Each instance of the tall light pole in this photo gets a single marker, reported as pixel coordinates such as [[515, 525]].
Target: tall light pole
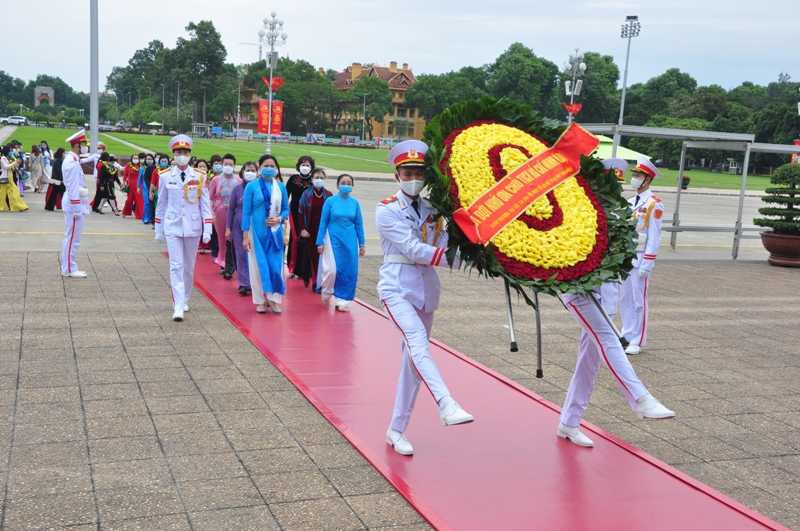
[[238, 109], [575, 68], [94, 71], [178, 109], [629, 30], [269, 35]]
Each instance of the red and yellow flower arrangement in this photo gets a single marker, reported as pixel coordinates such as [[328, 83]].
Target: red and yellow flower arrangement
[[564, 241]]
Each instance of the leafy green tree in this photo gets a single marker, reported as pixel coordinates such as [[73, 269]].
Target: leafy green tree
[[434, 93], [668, 150], [520, 75], [644, 100], [11, 89], [752, 96], [378, 100], [705, 103], [200, 63]]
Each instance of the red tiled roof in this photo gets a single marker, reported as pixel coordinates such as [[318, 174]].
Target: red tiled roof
[[399, 79]]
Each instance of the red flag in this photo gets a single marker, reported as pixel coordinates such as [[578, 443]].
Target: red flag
[[573, 108], [265, 79], [277, 82]]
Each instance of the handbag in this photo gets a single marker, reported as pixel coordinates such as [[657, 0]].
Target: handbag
[[4, 178]]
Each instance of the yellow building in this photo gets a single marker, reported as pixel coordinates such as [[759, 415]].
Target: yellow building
[[402, 122]]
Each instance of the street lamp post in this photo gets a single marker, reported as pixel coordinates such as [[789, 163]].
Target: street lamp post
[[363, 115], [630, 30], [238, 109], [574, 68], [178, 109], [269, 35]]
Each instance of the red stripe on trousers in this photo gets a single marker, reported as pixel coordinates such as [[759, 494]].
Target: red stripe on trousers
[[644, 310], [602, 350], [409, 347], [69, 251]]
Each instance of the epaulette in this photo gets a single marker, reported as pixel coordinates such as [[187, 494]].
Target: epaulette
[[389, 200], [656, 199], [165, 170], [426, 203]]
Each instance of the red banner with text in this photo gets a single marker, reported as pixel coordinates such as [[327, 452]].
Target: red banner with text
[[263, 117], [510, 197]]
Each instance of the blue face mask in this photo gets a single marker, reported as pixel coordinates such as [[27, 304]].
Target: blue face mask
[[268, 173], [345, 189], [163, 163], [217, 168]]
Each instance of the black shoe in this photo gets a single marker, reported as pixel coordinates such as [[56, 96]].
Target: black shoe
[[227, 276], [242, 291], [306, 282], [624, 342]]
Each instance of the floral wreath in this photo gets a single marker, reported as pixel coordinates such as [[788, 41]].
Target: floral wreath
[[563, 243], [112, 170]]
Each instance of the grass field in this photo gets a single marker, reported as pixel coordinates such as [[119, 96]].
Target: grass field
[[337, 157]]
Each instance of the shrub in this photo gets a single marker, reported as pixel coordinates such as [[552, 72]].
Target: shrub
[[785, 218]]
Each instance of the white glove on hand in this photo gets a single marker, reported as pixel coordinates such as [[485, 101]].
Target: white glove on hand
[[206, 238], [77, 215], [159, 238], [644, 273], [83, 192]]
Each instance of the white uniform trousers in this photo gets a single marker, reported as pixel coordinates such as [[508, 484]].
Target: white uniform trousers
[[72, 240], [598, 343], [182, 256], [634, 308], [417, 365]]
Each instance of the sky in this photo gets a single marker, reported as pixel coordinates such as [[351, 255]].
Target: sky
[[723, 42]]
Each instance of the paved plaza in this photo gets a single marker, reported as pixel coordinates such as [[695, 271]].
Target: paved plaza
[[116, 417]]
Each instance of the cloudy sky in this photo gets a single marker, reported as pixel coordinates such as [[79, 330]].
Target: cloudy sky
[[723, 42]]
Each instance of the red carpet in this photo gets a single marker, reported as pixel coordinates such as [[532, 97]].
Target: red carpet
[[507, 470]]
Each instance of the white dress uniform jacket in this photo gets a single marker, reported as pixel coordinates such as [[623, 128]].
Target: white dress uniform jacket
[[73, 182], [180, 212], [421, 240], [647, 213]]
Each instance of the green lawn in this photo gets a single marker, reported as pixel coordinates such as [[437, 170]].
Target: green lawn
[[56, 138], [719, 181], [338, 157]]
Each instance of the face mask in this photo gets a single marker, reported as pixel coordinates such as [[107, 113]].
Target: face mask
[[345, 189], [135, 161], [182, 160], [172, 165], [268, 173], [319, 183], [227, 170], [249, 175], [100, 150], [202, 169], [411, 188], [305, 170], [84, 150], [636, 183], [163, 164], [149, 162], [217, 168]]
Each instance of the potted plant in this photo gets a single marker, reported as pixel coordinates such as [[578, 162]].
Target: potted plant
[[783, 242]]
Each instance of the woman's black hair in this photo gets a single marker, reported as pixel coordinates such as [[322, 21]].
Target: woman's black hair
[[306, 158], [318, 170], [104, 156], [246, 164], [162, 156], [339, 178], [198, 161], [262, 158], [59, 154], [5, 150]]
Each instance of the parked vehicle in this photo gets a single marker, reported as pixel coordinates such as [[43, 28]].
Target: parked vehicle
[[14, 120]]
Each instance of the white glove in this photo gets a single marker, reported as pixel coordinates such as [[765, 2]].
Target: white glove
[[206, 237], [160, 237], [643, 273], [83, 192], [77, 215]]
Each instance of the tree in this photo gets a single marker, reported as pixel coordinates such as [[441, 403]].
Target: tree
[[520, 75], [599, 94], [645, 100], [11, 89], [434, 93], [668, 150], [200, 62], [705, 103], [378, 100]]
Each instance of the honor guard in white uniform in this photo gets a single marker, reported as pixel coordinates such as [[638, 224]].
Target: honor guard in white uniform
[[647, 211], [74, 204], [183, 216], [413, 243], [599, 343]]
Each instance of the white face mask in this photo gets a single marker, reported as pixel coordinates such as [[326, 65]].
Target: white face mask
[[84, 150], [182, 160], [319, 183], [227, 170], [636, 183], [411, 188], [249, 175], [135, 161], [305, 170], [100, 150]]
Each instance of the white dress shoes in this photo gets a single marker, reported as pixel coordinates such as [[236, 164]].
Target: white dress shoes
[[452, 414], [178, 315], [75, 274], [185, 307], [633, 349], [274, 306], [399, 442], [650, 408], [575, 435]]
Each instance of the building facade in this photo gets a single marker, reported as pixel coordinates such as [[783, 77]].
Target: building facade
[[403, 122]]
